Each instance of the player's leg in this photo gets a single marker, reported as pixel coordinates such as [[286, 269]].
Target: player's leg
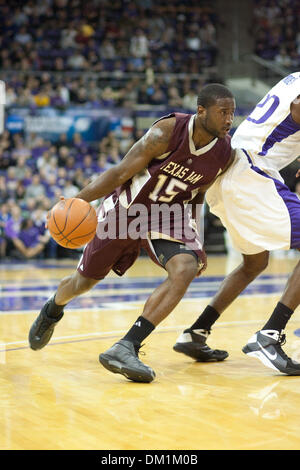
[[182, 267], [266, 343], [52, 312], [97, 260], [192, 341], [291, 294]]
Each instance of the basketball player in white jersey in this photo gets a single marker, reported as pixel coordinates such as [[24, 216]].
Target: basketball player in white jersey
[[260, 214]]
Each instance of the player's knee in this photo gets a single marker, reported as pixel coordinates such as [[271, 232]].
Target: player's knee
[[253, 265], [182, 269]]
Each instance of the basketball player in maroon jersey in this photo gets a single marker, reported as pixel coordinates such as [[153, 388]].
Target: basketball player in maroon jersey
[[173, 163]]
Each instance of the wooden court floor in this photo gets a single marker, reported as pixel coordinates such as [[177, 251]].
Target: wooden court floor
[[62, 398]]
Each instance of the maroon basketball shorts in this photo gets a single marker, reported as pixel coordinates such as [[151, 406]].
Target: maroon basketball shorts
[[102, 256], [116, 246]]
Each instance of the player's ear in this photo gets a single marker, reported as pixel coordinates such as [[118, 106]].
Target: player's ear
[[201, 111]]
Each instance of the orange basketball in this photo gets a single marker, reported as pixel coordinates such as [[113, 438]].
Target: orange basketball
[[72, 222]]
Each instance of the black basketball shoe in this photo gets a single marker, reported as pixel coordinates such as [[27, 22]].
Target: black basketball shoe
[[42, 328], [266, 346], [192, 343], [122, 358]]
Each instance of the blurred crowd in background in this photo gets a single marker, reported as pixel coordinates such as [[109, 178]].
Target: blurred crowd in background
[[276, 29], [109, 37], [116, 53], [34, 173]]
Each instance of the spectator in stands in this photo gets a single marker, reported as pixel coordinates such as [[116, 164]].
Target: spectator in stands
[[63, 39], [23, 37], [108, 142], [19, 193], [53, 189], [4, 193], [20, 149], [102, 164], [43, 97], [24, 97], [158, 96], [193, 41], [63, 153], [29, 243], [38, 217], [27, 177], [5, 141], [126, 141], [139, 44], [174, 99], [77, 61], [11, 96], [4, 216], [70, 189], [109, 97], [13, 223], [35, 189], [275, 31], [21, 167], [50, 170], [11, 180], [79, 144], [46, 160], [88, 166], [282, 58], [62, 142], [113, 155], [80, 176], [70, 167], [189, 100]]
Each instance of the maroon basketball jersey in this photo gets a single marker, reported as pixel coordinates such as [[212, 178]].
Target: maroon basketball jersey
[[172, 178], [177, 175]]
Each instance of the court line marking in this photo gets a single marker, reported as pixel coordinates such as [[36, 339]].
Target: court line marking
[[211, 285], [128, 305], [101, 335], [131, 282]]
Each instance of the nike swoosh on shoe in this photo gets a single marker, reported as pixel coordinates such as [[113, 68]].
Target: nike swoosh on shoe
[[269, 355]]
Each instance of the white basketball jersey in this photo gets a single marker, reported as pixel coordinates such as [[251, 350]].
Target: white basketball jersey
[[269, 134]]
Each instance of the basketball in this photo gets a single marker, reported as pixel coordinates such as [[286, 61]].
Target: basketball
[[72, 222]]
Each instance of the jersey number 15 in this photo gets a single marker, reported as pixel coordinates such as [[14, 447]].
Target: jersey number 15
[[169, 192]]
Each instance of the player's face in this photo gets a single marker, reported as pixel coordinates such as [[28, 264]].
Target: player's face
[[217, 119]]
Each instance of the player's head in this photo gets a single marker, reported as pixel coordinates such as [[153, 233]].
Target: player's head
[[215, 109]]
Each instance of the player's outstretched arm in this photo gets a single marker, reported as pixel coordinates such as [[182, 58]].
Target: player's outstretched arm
[[153, 144]]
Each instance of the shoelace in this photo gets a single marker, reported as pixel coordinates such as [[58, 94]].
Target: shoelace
[[137, 348], [43, 327], [281, 342], [282, 339]]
